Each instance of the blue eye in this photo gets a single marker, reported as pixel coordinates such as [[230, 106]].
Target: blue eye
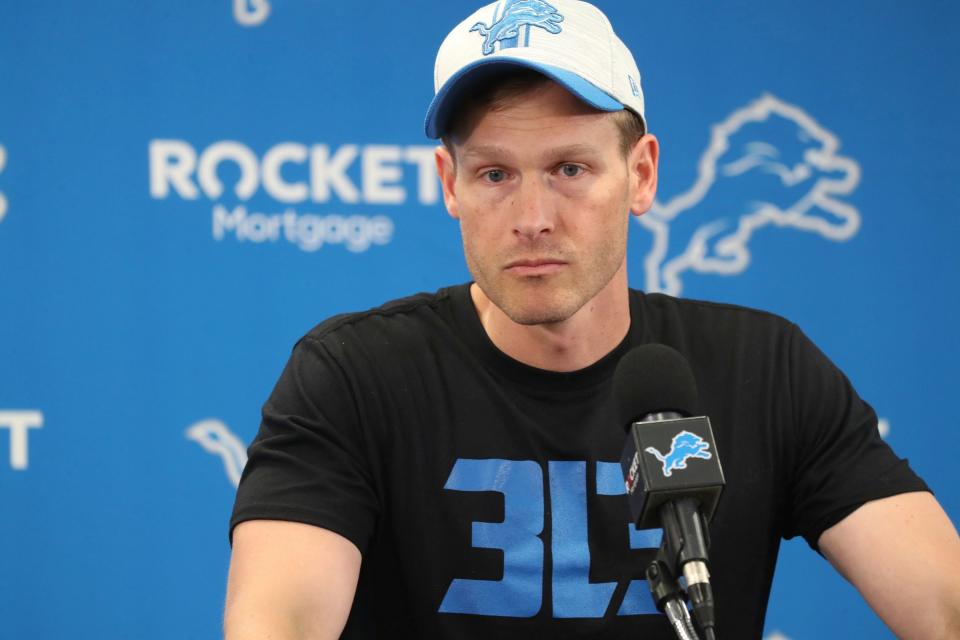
[[496, 175], [571, 170]]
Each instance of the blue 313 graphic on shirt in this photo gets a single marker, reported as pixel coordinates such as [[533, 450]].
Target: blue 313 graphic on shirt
[[520, 592]]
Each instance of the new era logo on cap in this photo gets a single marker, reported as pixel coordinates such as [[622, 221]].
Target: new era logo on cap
[[569, 41]]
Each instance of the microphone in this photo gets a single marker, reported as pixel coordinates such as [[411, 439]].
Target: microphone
[[671, 469]]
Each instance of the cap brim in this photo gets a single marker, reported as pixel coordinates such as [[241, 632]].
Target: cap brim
[[441, 108]]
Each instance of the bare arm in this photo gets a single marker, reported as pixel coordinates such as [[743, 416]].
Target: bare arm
[[903, 555], [289, 581]]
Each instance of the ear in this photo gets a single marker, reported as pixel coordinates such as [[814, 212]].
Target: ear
[[447, 170], [642, 165]]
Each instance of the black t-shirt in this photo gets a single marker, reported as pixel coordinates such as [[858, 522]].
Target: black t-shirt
[[486, 495]]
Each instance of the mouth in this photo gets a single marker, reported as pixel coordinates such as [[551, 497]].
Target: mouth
[[535, 267]]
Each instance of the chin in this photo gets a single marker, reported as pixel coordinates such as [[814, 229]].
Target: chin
[[534, 309], [537, 316]]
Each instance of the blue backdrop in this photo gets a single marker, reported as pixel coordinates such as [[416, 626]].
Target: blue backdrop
[[187, 187]]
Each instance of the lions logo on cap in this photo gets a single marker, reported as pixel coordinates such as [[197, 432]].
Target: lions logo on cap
[[518, 14]]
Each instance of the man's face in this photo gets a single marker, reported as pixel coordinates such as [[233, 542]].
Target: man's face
[[543, 195]]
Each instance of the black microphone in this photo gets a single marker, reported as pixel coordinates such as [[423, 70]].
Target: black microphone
[[671, 469]]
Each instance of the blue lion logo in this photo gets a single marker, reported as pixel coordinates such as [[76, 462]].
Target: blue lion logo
[[685, 445], [517, 14]]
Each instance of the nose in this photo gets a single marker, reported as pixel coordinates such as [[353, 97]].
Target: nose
[[534, 216]]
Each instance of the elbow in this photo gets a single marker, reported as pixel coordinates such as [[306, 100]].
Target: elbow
[[943, 621], [951, 628]]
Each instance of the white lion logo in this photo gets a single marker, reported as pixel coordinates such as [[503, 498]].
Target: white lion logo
[[769, 163], [251, 13], [216, 438]]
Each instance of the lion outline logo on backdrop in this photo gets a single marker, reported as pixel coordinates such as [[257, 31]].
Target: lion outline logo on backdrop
[[690, 234], [518, 14], [251, 13], [216, 438], [685, 445]]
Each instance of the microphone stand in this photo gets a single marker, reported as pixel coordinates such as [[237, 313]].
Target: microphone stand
[[668, 595], [685, 542]]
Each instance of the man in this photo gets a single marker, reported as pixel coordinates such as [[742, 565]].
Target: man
[[445, 465]]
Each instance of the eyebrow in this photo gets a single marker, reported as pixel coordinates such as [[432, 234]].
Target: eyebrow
[[558, 152], [484, 150]]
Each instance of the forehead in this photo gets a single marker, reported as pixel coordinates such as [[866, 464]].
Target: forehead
[[544, 114]]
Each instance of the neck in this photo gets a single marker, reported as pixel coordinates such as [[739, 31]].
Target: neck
[[577, 342]]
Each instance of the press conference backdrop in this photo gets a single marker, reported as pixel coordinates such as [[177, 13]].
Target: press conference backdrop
[[188, 187]]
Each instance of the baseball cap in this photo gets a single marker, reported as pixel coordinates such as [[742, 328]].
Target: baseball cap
[[569, 41]]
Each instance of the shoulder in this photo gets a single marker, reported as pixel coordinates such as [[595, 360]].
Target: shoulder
[[730, 348], [399, 324], [711, 320], [368, 360]]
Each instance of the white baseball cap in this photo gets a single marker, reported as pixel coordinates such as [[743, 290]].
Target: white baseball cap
[[569, 41]]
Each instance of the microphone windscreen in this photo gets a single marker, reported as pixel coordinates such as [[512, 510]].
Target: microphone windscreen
[[653, 378]]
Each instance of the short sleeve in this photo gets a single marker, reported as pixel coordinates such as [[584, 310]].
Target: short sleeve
[[308, 462], [839, 459]]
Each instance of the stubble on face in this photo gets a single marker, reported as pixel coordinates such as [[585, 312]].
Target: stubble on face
[[545, 299], [571, 236]]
